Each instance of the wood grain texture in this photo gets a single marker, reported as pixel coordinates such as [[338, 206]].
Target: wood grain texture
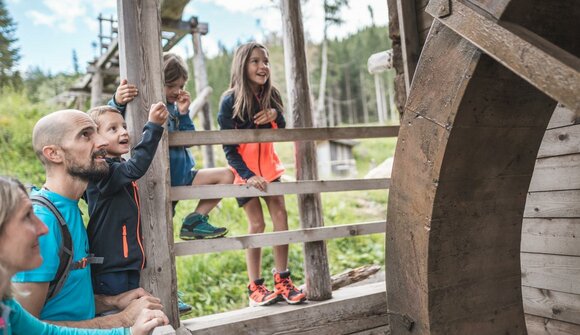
[[352, 310], [552, 272], [545, 326], [140, 48], [561, 141], [552, 304], [410, 44], [540, 62], [298, 187], [551, 236], [556, 204], [277, 238], [556, 173], [185, 138], [316, 268]]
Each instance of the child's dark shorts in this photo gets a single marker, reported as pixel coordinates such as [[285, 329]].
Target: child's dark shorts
[[114, 283], [245, 200]]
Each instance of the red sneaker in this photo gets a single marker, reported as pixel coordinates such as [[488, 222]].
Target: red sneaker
[[286, 289], [260, 295]]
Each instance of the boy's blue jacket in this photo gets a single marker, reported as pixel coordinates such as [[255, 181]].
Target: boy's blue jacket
[[181, 161], [114, 228]]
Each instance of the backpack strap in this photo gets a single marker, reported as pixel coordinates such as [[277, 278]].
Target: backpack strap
[[65, 252]]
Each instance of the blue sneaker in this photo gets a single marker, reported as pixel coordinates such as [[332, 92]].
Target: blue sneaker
[[197, 226], [182, 306]]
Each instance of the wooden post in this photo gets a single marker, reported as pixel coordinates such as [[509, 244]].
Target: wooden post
[[140, 62], [318, 283], [363, 98], [201, 82], [97, 88]]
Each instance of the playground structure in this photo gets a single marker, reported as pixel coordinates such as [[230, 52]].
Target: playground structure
[[477, 104]]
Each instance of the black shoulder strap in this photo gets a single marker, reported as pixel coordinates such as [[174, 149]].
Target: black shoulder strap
[[65, 252]]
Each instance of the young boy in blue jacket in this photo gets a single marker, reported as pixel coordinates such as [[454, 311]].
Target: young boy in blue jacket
[[114, 228]]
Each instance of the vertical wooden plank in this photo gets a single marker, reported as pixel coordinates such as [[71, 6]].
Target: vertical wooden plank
[[318, 283], [395, 36], [140, 62], [201, 82], [97, 88], [409, 39]]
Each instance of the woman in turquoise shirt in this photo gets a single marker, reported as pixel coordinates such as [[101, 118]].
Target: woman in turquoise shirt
[[19, 251]]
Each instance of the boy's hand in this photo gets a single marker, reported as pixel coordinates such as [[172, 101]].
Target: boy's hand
[[258, 182], [125, 93], [158, 113], [265, 116], [183, 102]]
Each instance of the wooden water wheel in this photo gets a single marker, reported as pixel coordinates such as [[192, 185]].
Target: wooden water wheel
[[488, 79]]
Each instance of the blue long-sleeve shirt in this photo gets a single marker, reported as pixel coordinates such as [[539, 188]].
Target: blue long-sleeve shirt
[[181, 161]]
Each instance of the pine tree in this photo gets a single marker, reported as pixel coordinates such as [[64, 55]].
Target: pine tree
[[9, 53]]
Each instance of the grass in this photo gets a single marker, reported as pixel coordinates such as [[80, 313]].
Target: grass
[[217, 282]]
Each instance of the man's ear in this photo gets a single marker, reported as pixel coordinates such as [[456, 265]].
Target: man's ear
[[53, 153]]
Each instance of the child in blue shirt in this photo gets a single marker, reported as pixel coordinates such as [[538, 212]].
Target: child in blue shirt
[[196, 224]]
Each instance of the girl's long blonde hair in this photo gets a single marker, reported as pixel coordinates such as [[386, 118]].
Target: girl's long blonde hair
[[10, 198], [241, 88]]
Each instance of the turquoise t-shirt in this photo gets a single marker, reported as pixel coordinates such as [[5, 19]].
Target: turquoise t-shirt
[[17, 321], [75, 301]]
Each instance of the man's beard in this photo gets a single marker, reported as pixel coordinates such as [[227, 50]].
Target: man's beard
[[93, 172]]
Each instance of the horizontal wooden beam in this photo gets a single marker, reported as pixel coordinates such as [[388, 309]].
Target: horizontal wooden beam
[[352, 310], [560, 141], [297, 187], [556, 236], [555, 204], [552, 304], [278, 238], [186, 138], [543, 64], [551, 272]]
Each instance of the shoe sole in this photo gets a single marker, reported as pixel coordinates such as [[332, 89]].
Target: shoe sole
[[290, 302], [201, 237], [264, 303]]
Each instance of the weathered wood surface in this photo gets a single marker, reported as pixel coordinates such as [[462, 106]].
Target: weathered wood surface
[[552, 304], [185, 138], [140, 48], [561, 204], [351, 310], [410, 45], [553, 272], [352, 276], [277, 238], [540, 62], [201, 83], [561, 141], [563, 117], [316, 268], [465, 157], [545, 326], [395, 36], [551, 236], [557, 173], [298, 187]]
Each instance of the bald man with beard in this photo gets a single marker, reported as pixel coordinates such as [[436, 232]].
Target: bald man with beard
[[72, 153]]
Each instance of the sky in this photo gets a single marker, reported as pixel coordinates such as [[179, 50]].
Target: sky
[[49, 30]]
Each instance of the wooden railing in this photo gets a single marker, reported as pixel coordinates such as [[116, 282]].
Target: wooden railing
[[297, 187]]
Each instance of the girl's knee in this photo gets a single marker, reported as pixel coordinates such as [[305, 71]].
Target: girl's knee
[[257, 226], [227, 177]]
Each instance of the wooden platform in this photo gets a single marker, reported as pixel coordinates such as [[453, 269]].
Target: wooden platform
[[352, 310]]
